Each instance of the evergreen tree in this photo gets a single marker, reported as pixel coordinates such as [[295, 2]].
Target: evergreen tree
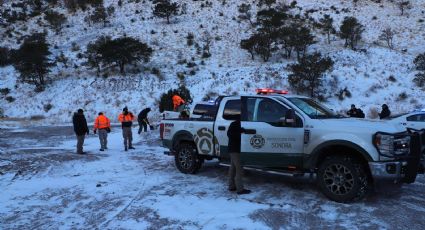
[[249, 45], [32, 59], [420, 66], [117, 52], [55, 19], [165, 9], [245, 13], [351, 30], [307, 74], [99, 15], [327, 27], [4, 56]]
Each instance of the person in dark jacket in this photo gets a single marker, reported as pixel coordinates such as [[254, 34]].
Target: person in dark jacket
[[385, 112], [234, 149], [142, 118], [80, 129], [355, 112]]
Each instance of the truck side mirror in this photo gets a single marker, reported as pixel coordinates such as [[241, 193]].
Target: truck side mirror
[[290, 119]]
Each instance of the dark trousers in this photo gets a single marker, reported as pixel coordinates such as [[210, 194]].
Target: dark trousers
[[143, 126], [235, 172], [80, 143]]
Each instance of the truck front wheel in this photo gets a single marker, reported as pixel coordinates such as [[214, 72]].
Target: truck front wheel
[[342, 179], [187, 159]]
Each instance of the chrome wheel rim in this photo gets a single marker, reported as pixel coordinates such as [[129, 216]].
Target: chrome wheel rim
[[338, 179], [185, 158]]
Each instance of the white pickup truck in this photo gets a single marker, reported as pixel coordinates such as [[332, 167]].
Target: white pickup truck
[[347, 154]]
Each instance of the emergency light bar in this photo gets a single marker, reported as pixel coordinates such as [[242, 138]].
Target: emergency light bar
[[270, 91]]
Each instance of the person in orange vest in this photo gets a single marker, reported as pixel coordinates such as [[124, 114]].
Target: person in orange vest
[[126, 118], [103, 124], [177, 102]]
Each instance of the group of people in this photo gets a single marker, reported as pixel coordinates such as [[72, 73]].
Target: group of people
[[102, 126], [356, 112]]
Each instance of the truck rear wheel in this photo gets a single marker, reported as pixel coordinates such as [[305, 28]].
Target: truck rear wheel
[[342, 179], [187, 159]]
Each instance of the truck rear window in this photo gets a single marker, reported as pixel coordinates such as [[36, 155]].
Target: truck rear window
[[205, 110], [232, 107]]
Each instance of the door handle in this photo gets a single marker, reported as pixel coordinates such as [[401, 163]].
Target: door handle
[[250, 131], [221, 128]]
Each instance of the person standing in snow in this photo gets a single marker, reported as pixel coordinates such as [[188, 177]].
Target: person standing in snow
[[355, 112], [143, 121], [126, 118], [80, 129], [234, 148], [103, 124], [385, 112]]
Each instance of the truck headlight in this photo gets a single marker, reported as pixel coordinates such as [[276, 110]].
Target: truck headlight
[[391, 146]]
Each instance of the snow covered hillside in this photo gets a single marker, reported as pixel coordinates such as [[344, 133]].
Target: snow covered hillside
[[374, 75]]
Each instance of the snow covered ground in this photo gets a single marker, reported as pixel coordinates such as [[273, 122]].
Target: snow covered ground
[[45, 185]]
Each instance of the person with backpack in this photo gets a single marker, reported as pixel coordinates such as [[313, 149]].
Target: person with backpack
[[143, 121], [103, 124], [355, 112], [80, 129], [385, 112], [126, 118]]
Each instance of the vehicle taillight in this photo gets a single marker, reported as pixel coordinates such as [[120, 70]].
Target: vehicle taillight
[[161, 131]]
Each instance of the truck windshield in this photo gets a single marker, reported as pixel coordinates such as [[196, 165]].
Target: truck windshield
[[313, 109]]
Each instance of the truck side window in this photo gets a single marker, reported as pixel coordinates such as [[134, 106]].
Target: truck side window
[[232, 107], [413, 118], [270, 111]]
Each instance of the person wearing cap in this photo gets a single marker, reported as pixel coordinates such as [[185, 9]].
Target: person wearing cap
[[126, 118], [103, 124], [143, 121], [385, 112], [80, 129]]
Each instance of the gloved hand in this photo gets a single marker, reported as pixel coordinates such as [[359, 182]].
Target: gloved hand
[[94, 131]]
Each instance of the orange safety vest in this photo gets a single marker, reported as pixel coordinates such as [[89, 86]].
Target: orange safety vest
[[126, 118], [102, 122], [177, 101]]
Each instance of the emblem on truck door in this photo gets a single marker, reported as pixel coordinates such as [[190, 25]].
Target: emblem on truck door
[[257, 141], [206, 142]]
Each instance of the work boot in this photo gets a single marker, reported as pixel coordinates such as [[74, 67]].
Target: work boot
[[125, 148], [101, 150], [131, 147], [244, 191]]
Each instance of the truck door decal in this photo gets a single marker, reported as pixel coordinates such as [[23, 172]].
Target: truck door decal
[[206, 142], [257, 141]]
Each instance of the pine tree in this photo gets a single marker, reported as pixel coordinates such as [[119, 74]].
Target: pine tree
[[32, 59], [117, 52], [326, 26], [419, 62], [165, 9], [307, 74], [55, 19], [351, 30]]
